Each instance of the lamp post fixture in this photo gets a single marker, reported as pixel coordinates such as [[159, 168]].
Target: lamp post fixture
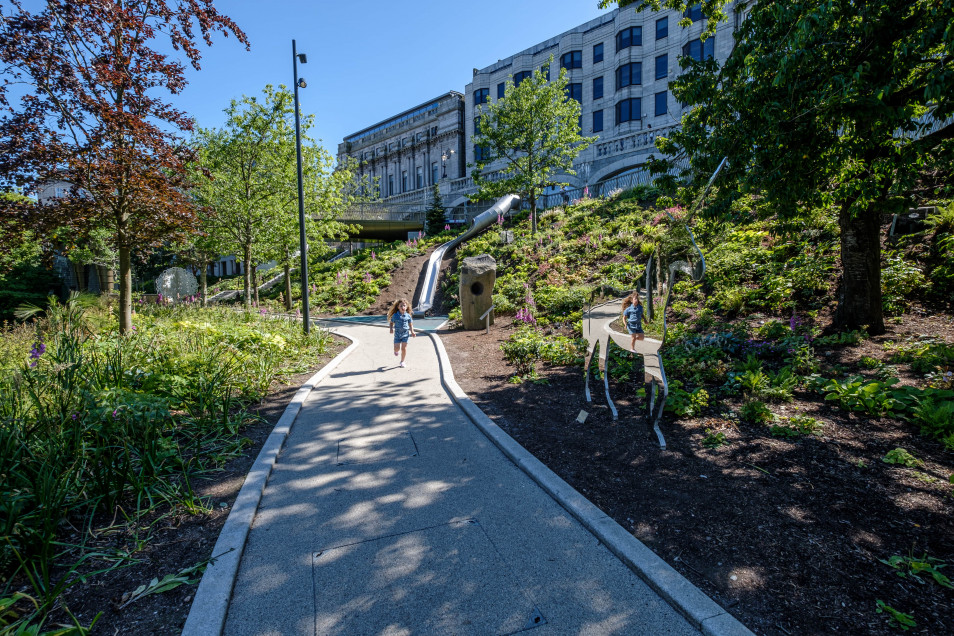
[[444, 157], [303, 249]]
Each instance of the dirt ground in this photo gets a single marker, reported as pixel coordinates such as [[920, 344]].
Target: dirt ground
[[786, 535]]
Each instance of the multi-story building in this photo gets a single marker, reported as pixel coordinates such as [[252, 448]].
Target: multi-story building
[[410, 152], [619, 67]]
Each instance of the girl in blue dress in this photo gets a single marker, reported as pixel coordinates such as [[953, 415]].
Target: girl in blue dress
[[633, 315], [402, 326]]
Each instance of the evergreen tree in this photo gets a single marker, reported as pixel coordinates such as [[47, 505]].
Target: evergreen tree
[[436, 219]]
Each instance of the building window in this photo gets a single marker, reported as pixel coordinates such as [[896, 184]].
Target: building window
[[597, 120], [629, 74], [419, 177], [662, 28], [694, 12], [501, 89], [435, 173], [404, 181], [628, 110], [662, 66], [545, 71], [480, 153], [390, 185], [574, 91], [633, 36], [699, 50], [661, 101], [572, 59], [481, 96], [597, 52], [519, 77], [598, 87]]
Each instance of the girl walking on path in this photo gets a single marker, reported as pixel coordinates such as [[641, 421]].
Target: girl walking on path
[[633, 315], [402, 326]]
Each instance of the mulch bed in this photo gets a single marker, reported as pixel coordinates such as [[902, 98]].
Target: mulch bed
[[786, 535]]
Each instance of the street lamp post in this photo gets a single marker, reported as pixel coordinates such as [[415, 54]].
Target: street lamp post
[[444, 156], [303, 249]]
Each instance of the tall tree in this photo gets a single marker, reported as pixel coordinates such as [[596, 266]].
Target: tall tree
[[531, 134], [251, 184], [92, 114], [826, 103]]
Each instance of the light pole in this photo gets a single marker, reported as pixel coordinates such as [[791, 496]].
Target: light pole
[[303, 249], [444, 156]]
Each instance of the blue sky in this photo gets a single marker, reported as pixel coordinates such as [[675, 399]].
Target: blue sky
[[367, 59]]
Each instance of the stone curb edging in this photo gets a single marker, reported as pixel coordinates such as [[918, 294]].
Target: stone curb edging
[[700, 610], [211, 602]]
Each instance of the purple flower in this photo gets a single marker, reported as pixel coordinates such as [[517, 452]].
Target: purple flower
[[373, 255], [262, 311], [74, 416], [447, 226], [116, 413]]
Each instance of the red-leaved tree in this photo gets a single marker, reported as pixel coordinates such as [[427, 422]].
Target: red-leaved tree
[[83, 101]]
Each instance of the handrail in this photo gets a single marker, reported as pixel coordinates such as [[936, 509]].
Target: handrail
[[481, 222]]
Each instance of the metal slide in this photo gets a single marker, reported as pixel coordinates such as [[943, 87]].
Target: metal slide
[[480, 223]]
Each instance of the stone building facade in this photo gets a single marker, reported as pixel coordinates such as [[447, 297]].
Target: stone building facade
[[619, 66], [410, 152]]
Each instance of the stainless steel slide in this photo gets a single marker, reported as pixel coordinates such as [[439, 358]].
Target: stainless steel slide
[[480, 223]]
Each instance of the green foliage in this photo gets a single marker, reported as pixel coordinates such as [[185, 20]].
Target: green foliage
[[897, 619], [91, 420], [436, 219], [841, 339], [910, 566], [534, 130], [682, 403], [901, 457], [523, 349], [868, 396], [936, 419], [23, 277], [795, 426], [755, 412], [714, 439], [900, 280], [925, 355]]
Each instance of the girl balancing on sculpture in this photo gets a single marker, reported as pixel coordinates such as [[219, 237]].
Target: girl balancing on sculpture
[[402, 326], [633, 315]]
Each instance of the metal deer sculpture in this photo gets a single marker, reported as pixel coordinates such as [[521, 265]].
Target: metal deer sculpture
[[677, 254]]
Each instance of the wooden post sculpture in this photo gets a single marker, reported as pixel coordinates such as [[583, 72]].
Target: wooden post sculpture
[[676, 254]]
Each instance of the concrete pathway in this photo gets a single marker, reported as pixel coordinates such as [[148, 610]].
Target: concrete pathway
[[389, 512]]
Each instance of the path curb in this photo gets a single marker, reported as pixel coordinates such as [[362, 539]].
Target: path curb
[[211, 603], [700, 610]]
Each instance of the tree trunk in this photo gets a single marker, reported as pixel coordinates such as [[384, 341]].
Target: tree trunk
[[859, 292], [204, 283], [246, 278], [255, 283], [288, 290], [533, 213], [124, 310]]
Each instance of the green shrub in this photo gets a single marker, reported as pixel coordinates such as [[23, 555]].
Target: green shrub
[[857, 394], [755, 412], [684, 403], [796, 426], [523, 349], [901, 457], [899, 282]]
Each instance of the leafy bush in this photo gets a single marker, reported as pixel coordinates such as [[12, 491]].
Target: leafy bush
[[684, 403], [796, 426], [857, 394], [901, 457], [523, 349], [755, 412], [899, 282]]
